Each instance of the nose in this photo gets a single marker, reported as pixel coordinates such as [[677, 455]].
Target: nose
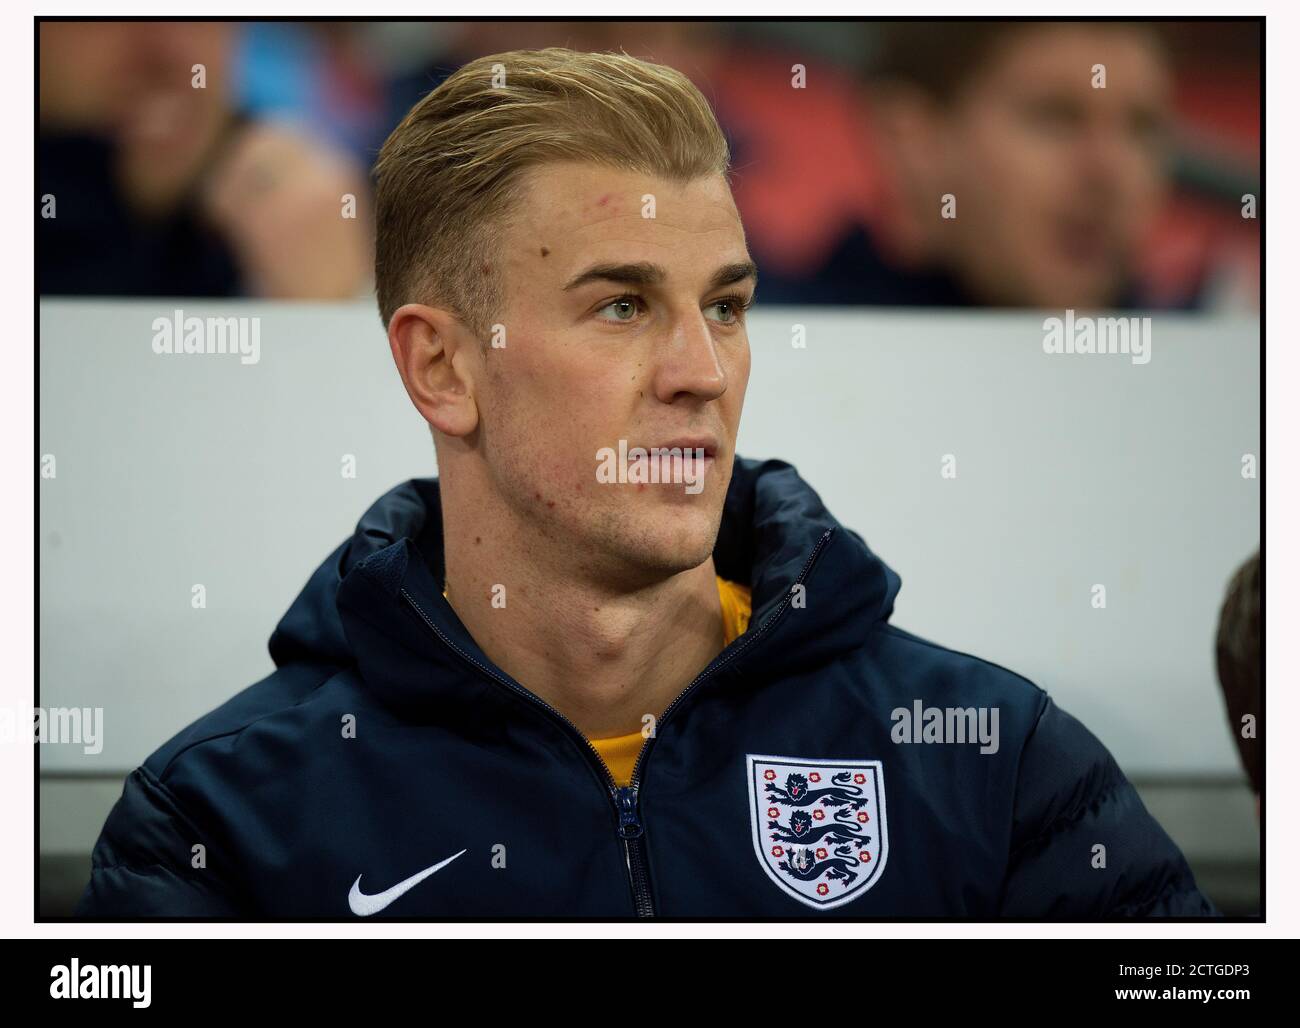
[[1104, 158], [689, 363]]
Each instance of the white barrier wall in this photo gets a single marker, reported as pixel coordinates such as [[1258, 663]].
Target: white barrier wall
[[1071, 471]]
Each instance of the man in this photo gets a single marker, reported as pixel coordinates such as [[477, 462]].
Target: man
[[163, 186], [1016, 164], [569, 679], [1238, 654]]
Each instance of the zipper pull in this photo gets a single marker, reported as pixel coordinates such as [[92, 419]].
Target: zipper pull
[[629, 820]]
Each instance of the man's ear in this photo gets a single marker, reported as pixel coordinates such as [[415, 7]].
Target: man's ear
[[436, 355]]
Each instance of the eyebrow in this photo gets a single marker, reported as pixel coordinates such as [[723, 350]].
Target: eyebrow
[[643, 273]]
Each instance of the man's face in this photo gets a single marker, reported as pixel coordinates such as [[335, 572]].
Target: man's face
[[1056, 180], [134, 81], [618, 326]]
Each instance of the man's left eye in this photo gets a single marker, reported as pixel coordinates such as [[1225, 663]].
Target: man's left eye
[[734, 306]]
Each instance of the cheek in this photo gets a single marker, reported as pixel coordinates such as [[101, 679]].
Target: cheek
[[1011, 195], [733, 401], [741, 363], [547, 417], [1143, 191], [1008, 167], [517, 408]]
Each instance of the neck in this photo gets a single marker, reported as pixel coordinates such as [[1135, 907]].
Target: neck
[[603, 654]]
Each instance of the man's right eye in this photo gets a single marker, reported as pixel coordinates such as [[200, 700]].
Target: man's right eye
[[1052, 115], [625, 308]]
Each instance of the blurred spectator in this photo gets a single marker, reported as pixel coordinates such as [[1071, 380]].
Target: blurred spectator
[[1066, 195], [1060, 188], [1241, 663], [165, 187]]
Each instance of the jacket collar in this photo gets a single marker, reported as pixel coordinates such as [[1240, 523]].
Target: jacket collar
[[377, 602]]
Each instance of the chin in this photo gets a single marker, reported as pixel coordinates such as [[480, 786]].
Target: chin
[[670, 564], [673, 548]]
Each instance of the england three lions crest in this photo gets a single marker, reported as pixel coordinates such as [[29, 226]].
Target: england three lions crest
[[818, 825]]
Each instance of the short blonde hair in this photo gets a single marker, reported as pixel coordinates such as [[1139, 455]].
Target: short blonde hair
[[449, 176]]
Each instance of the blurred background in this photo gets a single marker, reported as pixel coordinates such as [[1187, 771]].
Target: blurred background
[[1127, 196], [924, 333]]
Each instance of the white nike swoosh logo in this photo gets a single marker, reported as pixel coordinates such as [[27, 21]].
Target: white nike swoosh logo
[[363, 905]]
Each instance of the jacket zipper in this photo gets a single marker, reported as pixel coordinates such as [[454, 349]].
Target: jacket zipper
[[636, 844], [623, 799], [626, 799]]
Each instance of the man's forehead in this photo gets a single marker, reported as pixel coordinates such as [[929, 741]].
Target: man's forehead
[[583, 197], [578, 217], [1039, 54]]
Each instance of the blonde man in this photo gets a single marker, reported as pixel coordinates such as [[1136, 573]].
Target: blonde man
[[601, 666]]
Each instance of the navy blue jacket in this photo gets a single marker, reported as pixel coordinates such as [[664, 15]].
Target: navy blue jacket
[[387, 768]]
